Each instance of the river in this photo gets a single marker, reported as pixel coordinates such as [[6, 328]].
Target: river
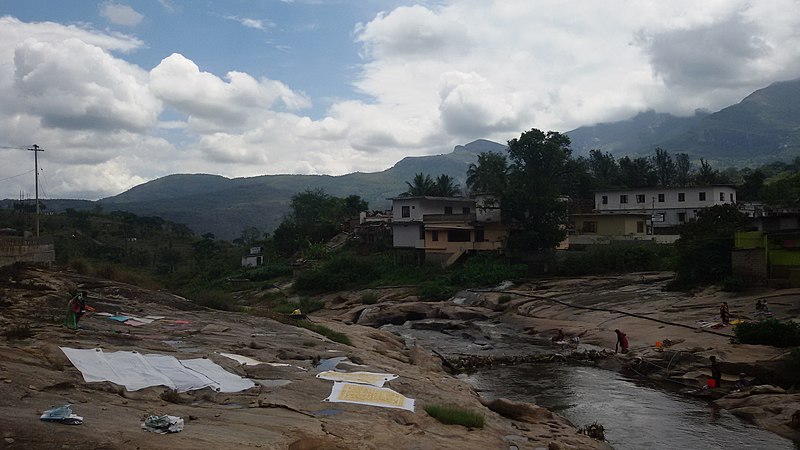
[[635, 414]]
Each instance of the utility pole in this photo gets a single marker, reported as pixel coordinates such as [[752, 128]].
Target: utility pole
[[35, 149]]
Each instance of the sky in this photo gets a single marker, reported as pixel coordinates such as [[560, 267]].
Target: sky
[[118, 93]]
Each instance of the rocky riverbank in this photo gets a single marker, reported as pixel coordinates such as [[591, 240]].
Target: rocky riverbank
[[284, 410], [494, 324]]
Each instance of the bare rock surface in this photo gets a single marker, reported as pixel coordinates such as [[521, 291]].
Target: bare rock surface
[[284, 412]]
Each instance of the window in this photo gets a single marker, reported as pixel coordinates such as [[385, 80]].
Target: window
[[681, 217], [660, 198], [422, 232], [722, 196], [448, 210], [681, 197], [406, 211], [701, 196], [458, 236], [435, 235], [465, 210], [639, 198], [639, 226], [589, 227], [623, 198], [604, 200]]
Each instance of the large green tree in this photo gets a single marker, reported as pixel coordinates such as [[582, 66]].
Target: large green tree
[[489, 174], [704, 248], [532, 204], [314, 218], [664, 167]]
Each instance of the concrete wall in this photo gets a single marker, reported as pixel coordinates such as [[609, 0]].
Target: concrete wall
[[749, 263], [27, 250], [407, 235]]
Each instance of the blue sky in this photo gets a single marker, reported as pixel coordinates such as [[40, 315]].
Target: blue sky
[[122, 92]]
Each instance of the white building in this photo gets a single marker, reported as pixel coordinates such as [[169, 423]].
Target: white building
[[668, 207], [408, 228]]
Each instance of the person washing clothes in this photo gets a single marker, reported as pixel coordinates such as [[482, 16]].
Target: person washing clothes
[[622, 342]]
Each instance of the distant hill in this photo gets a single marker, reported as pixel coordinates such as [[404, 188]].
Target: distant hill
[[225, 206], [763, 127]]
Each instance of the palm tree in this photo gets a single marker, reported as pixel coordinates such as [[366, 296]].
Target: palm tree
[[489, 174], [445, 186], [421, 185]]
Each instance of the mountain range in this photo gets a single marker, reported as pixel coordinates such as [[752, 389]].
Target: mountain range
[[763, 127]]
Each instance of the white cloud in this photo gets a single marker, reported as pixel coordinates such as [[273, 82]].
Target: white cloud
[[75, 85], [256, 24], [216, 104], [431, 77], [120, 14]]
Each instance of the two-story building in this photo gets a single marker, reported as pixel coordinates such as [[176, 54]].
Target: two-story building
[[667, 207], [445, 228]]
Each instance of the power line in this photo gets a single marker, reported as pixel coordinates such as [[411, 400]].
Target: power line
[[16, 176]]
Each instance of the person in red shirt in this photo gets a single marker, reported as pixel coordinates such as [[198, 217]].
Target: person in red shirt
[[76, 308], [622, 342]]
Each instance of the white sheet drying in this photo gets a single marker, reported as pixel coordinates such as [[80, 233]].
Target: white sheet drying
[[136, 371]]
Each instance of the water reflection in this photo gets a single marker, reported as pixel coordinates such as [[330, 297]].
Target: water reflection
[[634, 416]]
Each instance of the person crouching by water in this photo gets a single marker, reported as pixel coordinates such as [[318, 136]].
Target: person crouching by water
[[76, 308], [559, 337], [622, 342]]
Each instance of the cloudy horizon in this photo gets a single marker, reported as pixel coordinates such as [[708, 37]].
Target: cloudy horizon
[[120, 93]]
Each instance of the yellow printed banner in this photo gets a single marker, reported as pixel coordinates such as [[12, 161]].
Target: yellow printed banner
[[374, 379], [363, 394]]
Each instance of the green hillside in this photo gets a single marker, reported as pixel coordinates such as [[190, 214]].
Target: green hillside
[[763, 127], [224, 206]]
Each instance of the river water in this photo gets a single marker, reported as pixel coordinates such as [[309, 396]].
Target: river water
[[635, 415]]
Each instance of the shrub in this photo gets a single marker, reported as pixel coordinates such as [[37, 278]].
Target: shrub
[[453, 415], [338, 273], [794, 365], [18, 332], [435, 290], [215, 299], [106, 271], [485, 270], [267, 272], [616, 258], [369, 298], [769, 332], [80, 266], [504, 299], [734, 284]]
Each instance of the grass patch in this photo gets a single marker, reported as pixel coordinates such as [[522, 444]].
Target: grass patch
[[306, 305], [335, 336], [453, 415], [436, 290]]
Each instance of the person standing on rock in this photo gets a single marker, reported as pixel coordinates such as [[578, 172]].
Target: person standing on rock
[[716, 372], [724, 313], [622, 342], [76, 308]]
